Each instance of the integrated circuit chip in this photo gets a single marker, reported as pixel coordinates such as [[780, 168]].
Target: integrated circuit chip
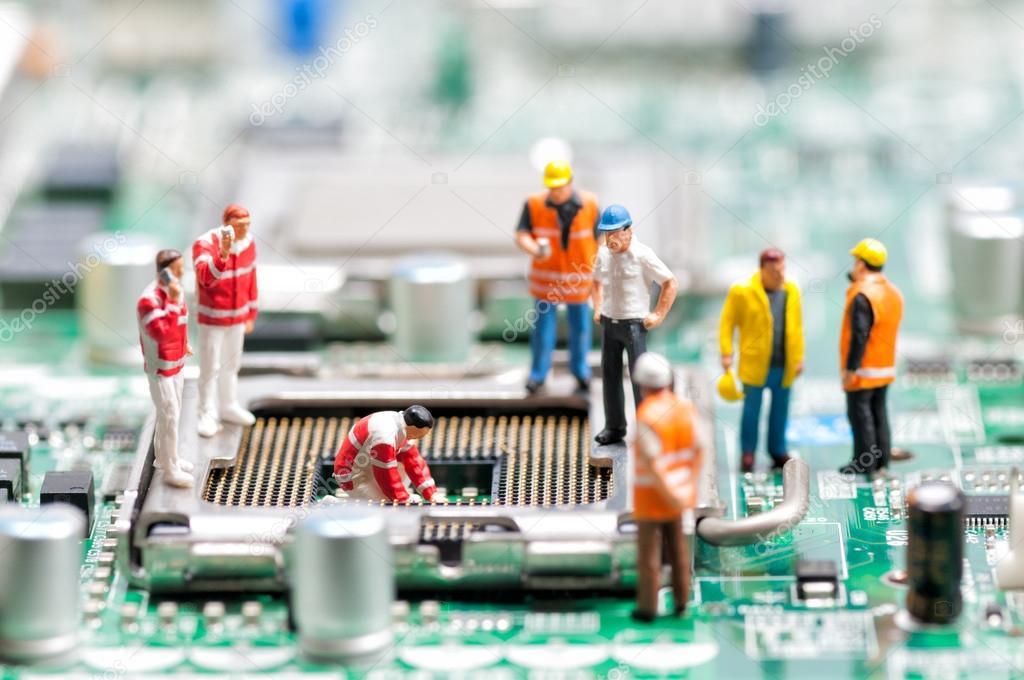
[[987, 510], [75, 487]]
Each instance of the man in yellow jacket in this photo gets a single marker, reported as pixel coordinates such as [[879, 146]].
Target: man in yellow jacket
[[766, 310]]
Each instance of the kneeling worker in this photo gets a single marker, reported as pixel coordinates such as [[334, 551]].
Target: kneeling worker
[[667, 464], [366, 465]]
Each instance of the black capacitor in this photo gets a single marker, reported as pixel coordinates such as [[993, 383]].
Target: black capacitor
[[935, 552]]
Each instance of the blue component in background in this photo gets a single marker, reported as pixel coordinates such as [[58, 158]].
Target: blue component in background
[[304, 22]]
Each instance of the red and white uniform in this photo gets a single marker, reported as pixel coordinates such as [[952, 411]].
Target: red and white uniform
[[227, 300], [227, 287], [163, 332], [366, 465]]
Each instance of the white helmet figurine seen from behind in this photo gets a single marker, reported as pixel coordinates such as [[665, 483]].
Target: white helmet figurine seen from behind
[[652, 370]]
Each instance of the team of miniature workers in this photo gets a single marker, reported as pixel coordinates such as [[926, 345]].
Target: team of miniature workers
[[766, 311], [579, 255], [225, 268], [562, 231]]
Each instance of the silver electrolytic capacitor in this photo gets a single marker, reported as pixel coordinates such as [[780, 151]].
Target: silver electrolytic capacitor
[[40, 564], [342, 585], [935, 552], [432, 301], [113, 268], [985, 231]]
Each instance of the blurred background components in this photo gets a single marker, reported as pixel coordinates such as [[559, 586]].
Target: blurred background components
[[432, 300], [985, 228], [113, 266]]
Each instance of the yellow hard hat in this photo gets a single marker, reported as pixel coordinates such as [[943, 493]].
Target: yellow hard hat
[[557, 174], [729, 388], [871, 251]]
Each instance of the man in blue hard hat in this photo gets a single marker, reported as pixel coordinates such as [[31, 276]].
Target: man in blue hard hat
[[623, 275]]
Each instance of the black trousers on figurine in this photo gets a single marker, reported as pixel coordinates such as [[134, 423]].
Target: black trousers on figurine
[[618, 335], [869, 421]]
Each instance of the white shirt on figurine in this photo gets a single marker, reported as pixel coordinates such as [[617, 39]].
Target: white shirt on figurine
[[626, 280]]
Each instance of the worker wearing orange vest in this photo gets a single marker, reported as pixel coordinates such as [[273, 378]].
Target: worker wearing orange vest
[[867, 355], [667, 460], [558, 229]]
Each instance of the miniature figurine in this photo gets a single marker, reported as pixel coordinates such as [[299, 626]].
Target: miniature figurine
[[667, 464], [163, 333], [867, 355], [623, 274], [558, 229], [378, 443], [766, 309], [225, 263]]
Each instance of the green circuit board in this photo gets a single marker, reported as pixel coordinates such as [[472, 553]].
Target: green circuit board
[[874, 150], [744, 618]]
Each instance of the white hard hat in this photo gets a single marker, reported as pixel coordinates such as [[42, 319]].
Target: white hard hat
[[652, 370]]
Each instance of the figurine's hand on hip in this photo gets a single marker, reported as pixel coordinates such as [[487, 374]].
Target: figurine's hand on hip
[[652, 320]]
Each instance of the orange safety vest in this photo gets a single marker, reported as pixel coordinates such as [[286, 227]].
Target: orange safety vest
[[567, 275], [879, 364], [671, 419]]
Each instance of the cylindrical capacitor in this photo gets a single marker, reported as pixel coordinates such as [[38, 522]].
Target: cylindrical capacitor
[[935, 552], [40, 564], [114, 269], [432, 300], [985, 232], [342, 585]]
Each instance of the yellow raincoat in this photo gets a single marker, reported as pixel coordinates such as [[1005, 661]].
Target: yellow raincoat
[[746, 307]]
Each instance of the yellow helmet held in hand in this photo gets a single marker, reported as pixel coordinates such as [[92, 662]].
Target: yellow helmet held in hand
[[871, 251], [557, 174], [729, 387]]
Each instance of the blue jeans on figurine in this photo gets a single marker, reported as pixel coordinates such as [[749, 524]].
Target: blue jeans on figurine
[[542, 342], [777, 416]]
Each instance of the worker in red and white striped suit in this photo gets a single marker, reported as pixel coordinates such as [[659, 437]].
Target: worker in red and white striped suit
[[225, 263], [366, 466], [163, 333]]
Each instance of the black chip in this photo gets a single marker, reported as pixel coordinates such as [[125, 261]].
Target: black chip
[[75, 487], [931, 366], [82, 172], [14, 446], [996, 506], [285, 333], [10, 479], [815, 573], [120, 438], [993, 370], [987, 510], [816, 570]]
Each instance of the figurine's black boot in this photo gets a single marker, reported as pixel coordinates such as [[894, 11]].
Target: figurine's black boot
[[607, 436]]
